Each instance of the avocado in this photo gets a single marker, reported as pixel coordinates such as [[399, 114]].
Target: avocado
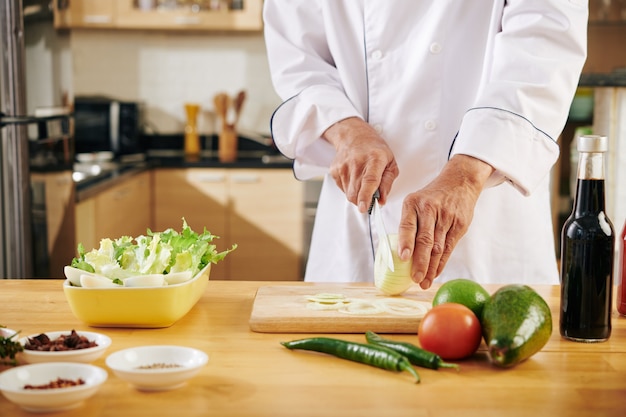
[[516, 323]]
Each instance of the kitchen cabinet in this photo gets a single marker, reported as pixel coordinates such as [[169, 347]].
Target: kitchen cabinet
[[53, 196], [83, 13], [182, 16], [123, 209], [260, 210], [200, 196]]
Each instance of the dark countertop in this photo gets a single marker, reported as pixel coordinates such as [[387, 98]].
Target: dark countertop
[[613, 79], [115, 172], [209, 159]]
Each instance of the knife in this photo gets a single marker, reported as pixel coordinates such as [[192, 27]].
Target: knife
[[385, 246]]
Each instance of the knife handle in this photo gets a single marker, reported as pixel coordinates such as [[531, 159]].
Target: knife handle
[[374, 197]]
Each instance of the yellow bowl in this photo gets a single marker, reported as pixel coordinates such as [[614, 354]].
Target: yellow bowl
[[147, 307]]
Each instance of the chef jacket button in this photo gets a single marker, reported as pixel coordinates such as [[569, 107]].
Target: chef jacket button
[[430, 125], [378, 128], [377, 54], [435, 47]]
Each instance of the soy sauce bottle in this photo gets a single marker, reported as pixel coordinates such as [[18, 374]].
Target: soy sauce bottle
[[587, 250]]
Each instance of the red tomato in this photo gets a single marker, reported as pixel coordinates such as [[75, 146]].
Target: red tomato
[[450, 330]]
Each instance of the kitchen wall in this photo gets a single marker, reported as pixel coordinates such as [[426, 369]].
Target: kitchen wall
[[605, 48], [167, 69], [48, 65], [163, 70]]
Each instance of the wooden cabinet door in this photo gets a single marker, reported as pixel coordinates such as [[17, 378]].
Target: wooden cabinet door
[[60, 200], [124, 209], [266, 221], [83, 13], [200, 195], [182, 18], [260, 210], [86, 223]]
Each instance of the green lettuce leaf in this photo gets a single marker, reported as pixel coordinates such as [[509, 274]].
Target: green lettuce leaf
[[154, 253]]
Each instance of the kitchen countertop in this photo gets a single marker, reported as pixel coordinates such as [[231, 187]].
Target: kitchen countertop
[[119, 171], [251, 374]]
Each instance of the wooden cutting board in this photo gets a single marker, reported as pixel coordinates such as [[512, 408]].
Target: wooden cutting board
[[283, 309]]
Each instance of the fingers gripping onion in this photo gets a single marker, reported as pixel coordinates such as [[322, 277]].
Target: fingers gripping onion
[[392, 282]]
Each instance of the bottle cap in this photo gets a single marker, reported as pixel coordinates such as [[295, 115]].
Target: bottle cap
[[593, 143]]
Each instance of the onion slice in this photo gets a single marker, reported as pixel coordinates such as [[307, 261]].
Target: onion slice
[[361, 307], [403, 306], [324, 306], [327, 298], [326, 301]]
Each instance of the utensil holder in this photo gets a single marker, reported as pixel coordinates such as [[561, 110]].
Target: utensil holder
[[227, 144]]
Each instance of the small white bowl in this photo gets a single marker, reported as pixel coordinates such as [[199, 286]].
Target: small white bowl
[[4, 332], [12, 384], [157, 368], [85, 355]]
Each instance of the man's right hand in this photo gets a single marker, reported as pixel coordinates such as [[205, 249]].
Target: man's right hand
[[363, 162]]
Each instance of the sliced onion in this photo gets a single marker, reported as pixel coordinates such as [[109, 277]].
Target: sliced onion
[[361, 308], [324, 306], [392, 282], [403, 306], [327, 298], [326, 301]]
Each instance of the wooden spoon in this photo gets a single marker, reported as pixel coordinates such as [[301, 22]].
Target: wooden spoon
[[220, 102], [239, 99]]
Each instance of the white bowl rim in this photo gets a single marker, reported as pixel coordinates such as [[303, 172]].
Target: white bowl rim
[[9, 332], [204, 359], [67, 284], [101, 375], [104, 342]]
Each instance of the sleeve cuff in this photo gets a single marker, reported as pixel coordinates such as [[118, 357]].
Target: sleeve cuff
[[298, 124], [520, 153]]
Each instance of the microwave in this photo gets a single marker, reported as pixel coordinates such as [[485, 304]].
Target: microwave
[[105, 124]]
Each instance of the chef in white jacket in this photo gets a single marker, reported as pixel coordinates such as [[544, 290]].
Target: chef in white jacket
[[452, 108]]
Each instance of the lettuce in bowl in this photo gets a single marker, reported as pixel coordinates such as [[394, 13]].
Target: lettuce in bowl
[[167, 252]]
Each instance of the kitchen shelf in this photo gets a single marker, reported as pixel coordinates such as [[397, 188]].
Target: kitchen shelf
[[125, 14]]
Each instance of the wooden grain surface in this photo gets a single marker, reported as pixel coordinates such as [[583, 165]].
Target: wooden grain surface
[[284, 309], [251, 374]]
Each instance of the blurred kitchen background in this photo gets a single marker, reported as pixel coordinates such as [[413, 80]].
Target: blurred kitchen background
[[164, 54]]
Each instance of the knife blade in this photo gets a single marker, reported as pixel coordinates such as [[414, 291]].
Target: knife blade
[[385, 246]]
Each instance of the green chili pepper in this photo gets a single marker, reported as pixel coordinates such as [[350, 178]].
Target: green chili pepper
[[417, 356], [374, 355]]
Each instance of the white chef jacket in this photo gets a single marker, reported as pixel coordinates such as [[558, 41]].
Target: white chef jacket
[[488, 78]]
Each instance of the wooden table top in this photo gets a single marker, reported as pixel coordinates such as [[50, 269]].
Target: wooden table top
[[251, 374]]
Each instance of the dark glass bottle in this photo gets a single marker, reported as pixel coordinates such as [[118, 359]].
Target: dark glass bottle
[[587, 251]]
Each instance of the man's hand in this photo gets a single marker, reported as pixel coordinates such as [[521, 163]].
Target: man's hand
[[363, 162], [436, 217]]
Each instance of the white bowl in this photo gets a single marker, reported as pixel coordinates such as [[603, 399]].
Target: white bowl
[[77, 355], [4, 332], [157, 368], [12, 384]]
